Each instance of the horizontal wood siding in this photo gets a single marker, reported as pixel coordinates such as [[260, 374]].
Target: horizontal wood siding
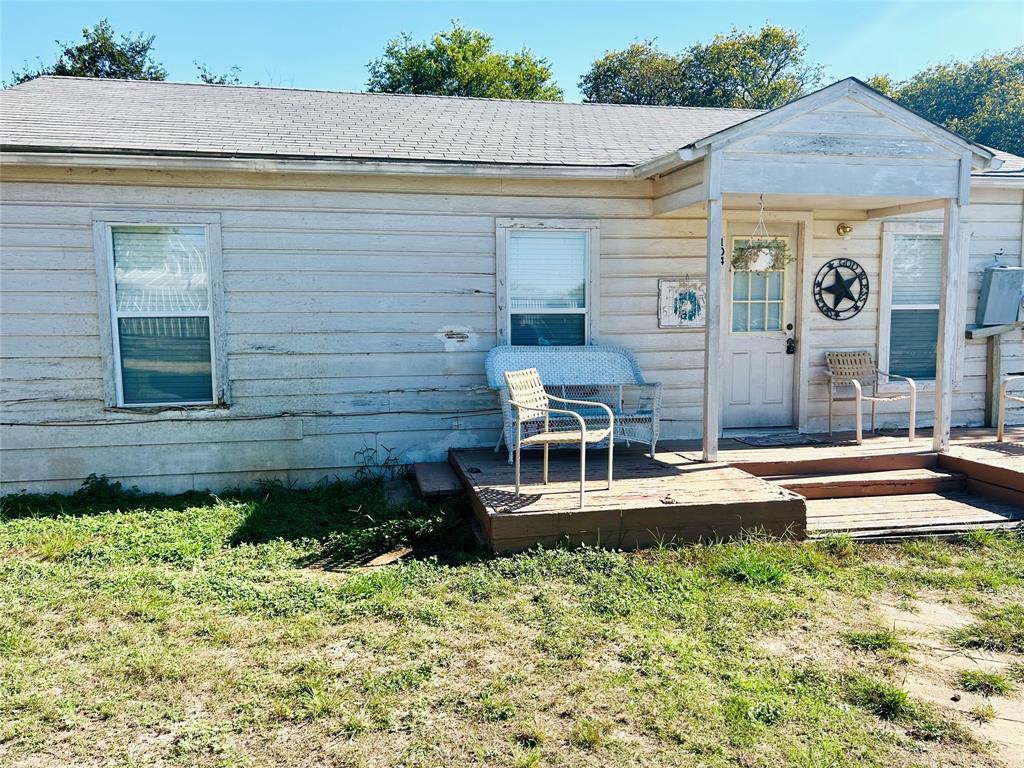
[[358, 313], [994, 219]]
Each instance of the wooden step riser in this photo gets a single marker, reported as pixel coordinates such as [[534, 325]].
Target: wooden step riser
[[879, 488], [840, 464]]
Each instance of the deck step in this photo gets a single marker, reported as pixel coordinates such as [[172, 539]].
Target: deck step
[[835, 465], [909, 515], [435, 479], [887, 483]]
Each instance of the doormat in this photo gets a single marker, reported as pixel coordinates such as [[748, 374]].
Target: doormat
[[786, 438]]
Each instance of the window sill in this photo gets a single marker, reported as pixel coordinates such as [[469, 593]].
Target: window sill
[[168, 410]]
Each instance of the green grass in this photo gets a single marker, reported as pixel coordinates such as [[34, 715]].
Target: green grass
[[243, 629], [1000, 629], [985, 683], [881, 640]]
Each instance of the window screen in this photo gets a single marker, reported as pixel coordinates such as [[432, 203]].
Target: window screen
[[162, 314], [914, 314], [547, 281]]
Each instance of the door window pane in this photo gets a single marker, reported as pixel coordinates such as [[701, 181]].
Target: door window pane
[[757, 301], [758, 281], [165, 359], [740, 317], [741, 286]]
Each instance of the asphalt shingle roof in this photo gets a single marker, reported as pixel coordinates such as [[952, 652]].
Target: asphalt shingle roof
[[76, 114], [66, 113]]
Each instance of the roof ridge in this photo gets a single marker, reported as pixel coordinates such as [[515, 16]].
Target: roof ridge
[[385, 94]]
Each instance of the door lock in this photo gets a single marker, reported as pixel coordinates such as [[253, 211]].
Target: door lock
[[790, 346]]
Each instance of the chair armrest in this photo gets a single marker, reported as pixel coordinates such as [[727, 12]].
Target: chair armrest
[[1004, 387], [910, 381], [594, 403]]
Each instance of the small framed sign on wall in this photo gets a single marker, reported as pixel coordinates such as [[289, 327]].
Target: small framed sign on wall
[[681, 303]]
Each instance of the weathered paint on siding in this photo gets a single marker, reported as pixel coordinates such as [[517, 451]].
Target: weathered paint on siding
[[339, 293]]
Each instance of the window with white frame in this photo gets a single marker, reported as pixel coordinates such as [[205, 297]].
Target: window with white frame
[[916, 286], [160, 281], [549, 283]]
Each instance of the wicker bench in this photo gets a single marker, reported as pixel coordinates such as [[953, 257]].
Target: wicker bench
[[605, 374]]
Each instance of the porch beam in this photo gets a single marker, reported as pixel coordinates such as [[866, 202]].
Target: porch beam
[[713, 309], [683, 198], [948, 331], [896, 210]]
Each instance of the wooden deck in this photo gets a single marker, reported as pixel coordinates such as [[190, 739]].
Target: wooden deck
[[665, 499], [675, 497]]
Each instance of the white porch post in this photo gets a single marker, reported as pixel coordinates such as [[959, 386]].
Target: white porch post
[[948, 329], [713, 308]]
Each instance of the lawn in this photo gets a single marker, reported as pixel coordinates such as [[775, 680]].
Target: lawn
[[246, 629]]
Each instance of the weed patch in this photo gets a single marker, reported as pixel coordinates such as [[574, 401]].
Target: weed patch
[[985, 683]]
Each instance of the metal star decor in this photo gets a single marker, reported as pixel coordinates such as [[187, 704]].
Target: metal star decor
[[840, 288], [846, 282]]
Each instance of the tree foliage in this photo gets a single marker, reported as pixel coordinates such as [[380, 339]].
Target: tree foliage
[[758, 70], [641, 74], [754, 70], [981, 99], [208, 76], [461, 62], [101, 54]]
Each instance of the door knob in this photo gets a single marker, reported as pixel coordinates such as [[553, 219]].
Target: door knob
[[790, 346]]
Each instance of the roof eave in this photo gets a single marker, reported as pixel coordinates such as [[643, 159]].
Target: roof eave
[[23, 156]]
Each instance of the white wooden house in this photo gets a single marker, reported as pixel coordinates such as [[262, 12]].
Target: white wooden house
[[208, 285]]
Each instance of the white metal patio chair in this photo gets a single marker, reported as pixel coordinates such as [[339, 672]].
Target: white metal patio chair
[[857, 370], [1004, 399], [533, 409]]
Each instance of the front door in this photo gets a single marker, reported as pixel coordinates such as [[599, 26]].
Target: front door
[[760, 343]]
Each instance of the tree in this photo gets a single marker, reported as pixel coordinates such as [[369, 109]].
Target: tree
[[752, 70], [759, 70], [641, 74], [231, 77], [461, 62], [101, 55], [981, 99], [883, 84]]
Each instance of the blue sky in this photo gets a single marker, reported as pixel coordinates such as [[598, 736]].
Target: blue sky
[[327, 44]]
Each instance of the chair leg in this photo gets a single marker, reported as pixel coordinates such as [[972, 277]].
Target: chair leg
[[860, 420], [1001, 414], [611, 444], [518, 451], [873, 404], [583, 472], [913, 415], [546, 463], [830, 414]]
